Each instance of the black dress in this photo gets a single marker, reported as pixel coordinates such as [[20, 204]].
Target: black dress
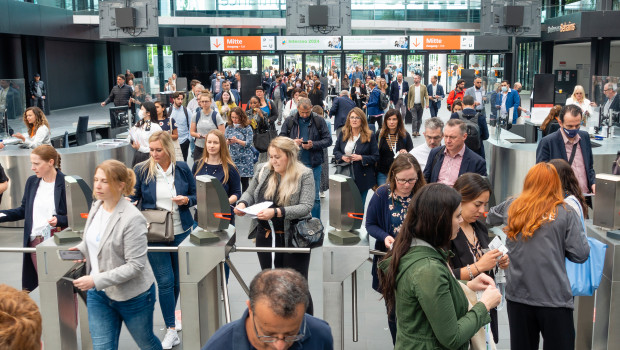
[[463, 256]]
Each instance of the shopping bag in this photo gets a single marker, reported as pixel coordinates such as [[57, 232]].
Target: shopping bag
[[585, 278]]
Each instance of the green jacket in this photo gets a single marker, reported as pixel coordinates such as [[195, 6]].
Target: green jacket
[[431, 307]]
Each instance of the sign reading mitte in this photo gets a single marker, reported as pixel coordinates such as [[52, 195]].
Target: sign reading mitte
[[242, 43]]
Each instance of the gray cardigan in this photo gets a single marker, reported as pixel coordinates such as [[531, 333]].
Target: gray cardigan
[[537, 272], [300, 202], [124, 269]]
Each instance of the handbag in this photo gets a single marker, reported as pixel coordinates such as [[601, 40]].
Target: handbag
[[307, 233], [585, 278], [615, 168], [483, 339], [346, 169], [159, 225]]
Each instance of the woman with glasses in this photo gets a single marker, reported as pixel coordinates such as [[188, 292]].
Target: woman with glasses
[[142, 131], [388, 208], [393, 140], [204, 122], [356, 145], [579, 98]]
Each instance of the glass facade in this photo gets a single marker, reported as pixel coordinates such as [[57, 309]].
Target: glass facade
[[528, 63]]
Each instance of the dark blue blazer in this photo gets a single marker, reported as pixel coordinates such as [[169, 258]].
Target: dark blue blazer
[[184, 183], [235, 94], [512, 100], [341, 107], [482, 125], [472, 163], [379, 226], [30, 280], [439, 92], [552, 147], [364, 170], [394, 90]]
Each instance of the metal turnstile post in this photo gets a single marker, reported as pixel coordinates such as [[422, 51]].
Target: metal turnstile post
[[598, 317], [345, 249], [59, 311], [200, 264]]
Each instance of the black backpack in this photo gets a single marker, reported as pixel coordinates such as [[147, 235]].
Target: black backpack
[[384, 101], [473, 140]]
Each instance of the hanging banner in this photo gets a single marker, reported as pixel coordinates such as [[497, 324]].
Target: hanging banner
[[242, 43], [309, 43], [376, 42], [442, 42]]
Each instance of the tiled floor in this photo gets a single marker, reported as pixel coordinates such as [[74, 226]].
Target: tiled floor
[[373, 329]]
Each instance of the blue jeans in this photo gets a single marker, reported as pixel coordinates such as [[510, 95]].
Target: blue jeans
[[364, 194], [166, 269], [381, 178], [106, 316], [316, 209]]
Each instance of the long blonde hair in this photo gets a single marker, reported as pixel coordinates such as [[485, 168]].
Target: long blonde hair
[[150, 165], [224, 154], [578, 88], [289, 183]]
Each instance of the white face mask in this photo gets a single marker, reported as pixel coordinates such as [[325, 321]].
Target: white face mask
[[141, 114], [236, 125]]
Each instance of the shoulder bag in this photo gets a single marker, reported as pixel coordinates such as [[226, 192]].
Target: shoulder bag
[[307, 233], [159, 221], [344, 168]]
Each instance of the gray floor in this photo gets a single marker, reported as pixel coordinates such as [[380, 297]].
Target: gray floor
[[373, 329]]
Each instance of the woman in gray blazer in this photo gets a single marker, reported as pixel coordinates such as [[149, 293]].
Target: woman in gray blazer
[[287, 183], [120, 282]]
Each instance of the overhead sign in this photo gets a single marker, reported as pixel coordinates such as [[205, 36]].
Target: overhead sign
[[242, 43], [376, 43], [442, 42], [309, 43]]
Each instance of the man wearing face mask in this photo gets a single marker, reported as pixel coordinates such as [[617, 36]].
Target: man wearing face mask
[[572, 145], [508, 99]]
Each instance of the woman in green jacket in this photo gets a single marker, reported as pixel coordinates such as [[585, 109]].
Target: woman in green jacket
[[431, 307]]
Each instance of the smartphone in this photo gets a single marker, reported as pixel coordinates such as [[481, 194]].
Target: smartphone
[[70, 255], [304, 142]]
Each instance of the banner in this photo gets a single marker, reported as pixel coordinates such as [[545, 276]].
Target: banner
[[309, 43], [376, 43], [442, 42], [242, 43]]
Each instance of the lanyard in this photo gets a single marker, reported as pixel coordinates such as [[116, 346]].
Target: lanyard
[[395, 143]]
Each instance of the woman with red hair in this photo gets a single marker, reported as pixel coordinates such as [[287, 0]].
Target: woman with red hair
[[542, 231]]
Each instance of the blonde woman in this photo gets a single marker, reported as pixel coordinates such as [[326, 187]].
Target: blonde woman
[[164, 183], [579, 98], [38, 129], [286, 182], [119, 280]]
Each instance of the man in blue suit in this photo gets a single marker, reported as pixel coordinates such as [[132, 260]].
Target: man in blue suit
[[508, 99], [234, 94], [398, 94], [340, 109], [572, 145], [446, 163], [435, 95]]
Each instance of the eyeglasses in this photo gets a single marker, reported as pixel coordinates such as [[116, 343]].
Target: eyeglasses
[[288, 338], [205, 101], [406, 181], [355, 118], [434, 138]]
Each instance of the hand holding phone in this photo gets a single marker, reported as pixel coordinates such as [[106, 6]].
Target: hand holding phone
[[70, 255]]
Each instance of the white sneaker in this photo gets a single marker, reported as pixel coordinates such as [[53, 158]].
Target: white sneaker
[[171, 339], [178, 325], [322, 194]]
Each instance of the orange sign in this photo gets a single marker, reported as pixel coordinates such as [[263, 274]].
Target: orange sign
[[442, 42], [242, 43]]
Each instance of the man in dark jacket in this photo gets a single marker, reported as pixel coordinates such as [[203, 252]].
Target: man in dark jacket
[[38, 92], [398, 94], [120, 94], [445, 164], [469, 112], [572, 145], [311, 134], [340, 109]]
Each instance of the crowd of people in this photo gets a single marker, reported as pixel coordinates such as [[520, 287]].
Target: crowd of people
[[422, 202]]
